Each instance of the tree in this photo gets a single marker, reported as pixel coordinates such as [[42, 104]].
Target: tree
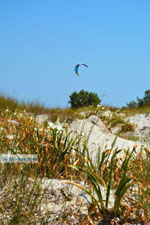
[[140, 101], [146, 98], [132, 104], [83, 98]]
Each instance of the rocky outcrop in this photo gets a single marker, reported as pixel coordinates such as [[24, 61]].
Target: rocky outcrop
[[142, 125], [99, 137]]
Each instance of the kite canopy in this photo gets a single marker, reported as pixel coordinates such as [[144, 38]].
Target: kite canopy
[[77, 67]]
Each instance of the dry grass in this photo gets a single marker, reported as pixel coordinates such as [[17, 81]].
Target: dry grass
[[137, 110], [37, 108]]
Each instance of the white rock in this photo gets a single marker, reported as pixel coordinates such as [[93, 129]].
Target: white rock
[[77, 194], [98, 136], [142, 122], [40, 119], [13, 121]]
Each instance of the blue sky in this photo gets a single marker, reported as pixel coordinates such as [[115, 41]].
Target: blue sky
[[42, 41]]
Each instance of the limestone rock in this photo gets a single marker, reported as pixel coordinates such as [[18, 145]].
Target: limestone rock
[[142, 122], [40, 119], [99, 137]]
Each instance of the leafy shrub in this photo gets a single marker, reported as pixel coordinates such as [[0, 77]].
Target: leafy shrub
[[83, 98]]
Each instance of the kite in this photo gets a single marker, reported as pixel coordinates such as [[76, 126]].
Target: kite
[[77, 67]]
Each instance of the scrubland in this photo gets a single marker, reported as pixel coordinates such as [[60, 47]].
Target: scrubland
[[61, 157]]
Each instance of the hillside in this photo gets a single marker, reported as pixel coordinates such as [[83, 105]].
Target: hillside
[[93, 165]]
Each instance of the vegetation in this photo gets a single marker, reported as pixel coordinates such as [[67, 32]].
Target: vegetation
[[35, 108], [140, 101], [84, 98], [119, 177], [145, 109], [118, 173]]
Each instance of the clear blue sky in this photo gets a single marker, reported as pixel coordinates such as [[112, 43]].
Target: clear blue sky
[[41, 41]]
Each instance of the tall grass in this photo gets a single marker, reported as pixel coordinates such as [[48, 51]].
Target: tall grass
[[117, 177], [35, 107], [55, 148], [20, 196], [141, 171], [137, 110]]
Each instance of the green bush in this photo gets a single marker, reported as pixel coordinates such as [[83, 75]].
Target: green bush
[[83, 98]]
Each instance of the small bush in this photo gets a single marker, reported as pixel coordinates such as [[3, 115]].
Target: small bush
[[127, 127], [113, 120]]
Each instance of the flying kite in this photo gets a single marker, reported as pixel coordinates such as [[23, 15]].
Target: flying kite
[[77, 67]]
